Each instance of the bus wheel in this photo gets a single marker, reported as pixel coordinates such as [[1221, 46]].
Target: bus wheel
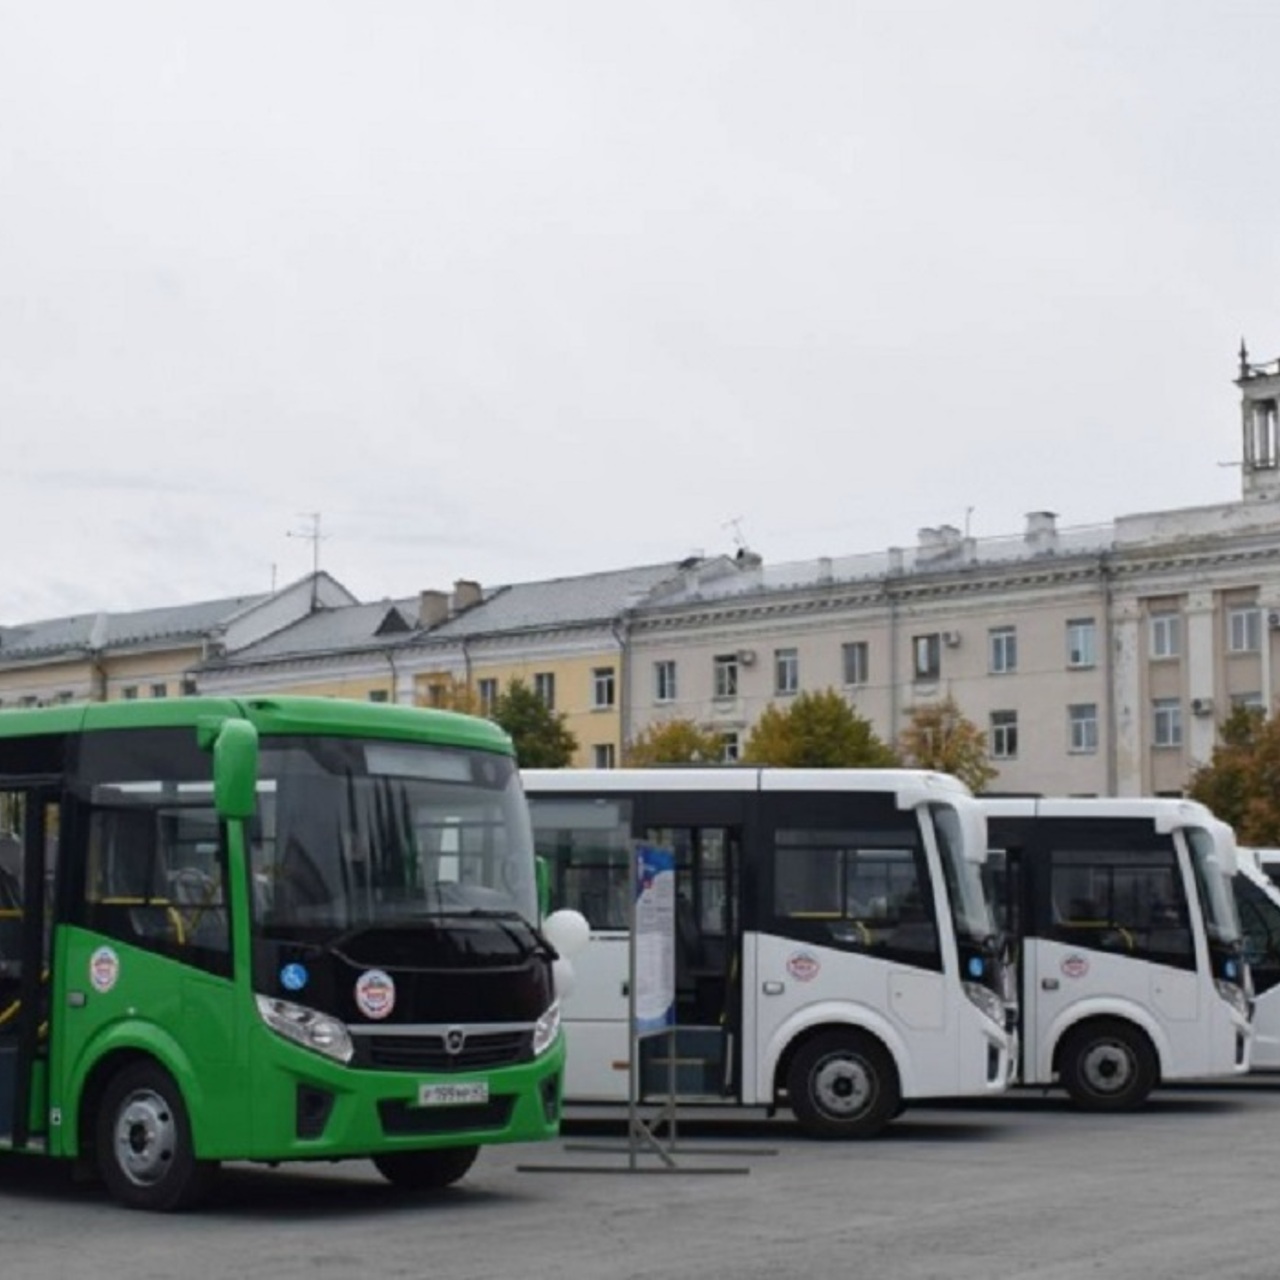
[[843, 1084], [144, 1149], [426, 1170], [1107, 1066]]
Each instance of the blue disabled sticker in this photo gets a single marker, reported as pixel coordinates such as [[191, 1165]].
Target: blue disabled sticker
[[293, 977], [975, 966], [1229, 969]]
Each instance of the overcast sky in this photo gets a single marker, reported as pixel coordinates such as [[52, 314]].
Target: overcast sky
[[529, 288]]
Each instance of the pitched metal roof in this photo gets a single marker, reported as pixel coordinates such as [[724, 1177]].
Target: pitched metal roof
[[94, 631], [530, 606], [344, 629]]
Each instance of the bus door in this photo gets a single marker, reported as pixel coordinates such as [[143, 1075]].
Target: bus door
[[28, 842], [705, 833], [1002, 878]]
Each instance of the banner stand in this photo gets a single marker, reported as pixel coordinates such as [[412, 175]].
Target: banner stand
[[651, 1013]]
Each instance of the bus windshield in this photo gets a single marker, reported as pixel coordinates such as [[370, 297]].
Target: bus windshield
[[354, 832], [970, 911], [1217, 900]]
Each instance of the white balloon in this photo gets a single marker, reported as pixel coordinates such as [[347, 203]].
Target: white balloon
[[567, 931], [564, 977]]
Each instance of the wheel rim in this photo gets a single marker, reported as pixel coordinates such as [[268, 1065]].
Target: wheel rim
[[1108, 1067], [145, 1137], [842, 1087]]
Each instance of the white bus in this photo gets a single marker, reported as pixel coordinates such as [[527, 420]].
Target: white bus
[[835, 950], [1127, 941], [1258, 902]]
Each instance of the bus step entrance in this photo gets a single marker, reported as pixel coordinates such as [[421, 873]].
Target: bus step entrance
[[699, 1063]]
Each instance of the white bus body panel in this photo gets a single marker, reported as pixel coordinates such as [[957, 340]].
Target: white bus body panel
[[1192, 1029], [939, 1040], [595, 1021]]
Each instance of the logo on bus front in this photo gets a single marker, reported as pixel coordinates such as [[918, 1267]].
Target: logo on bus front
[[104, 969], [802, 966], [1075, 966], [375, 994]]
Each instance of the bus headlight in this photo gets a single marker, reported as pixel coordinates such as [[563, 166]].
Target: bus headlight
[[545, 1030], [1233, 995], [986, 1000], [316, 1031]]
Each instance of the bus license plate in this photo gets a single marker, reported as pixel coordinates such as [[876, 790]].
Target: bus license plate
[[453, 1095]]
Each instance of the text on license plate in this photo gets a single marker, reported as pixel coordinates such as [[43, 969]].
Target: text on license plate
[[453, 1095]]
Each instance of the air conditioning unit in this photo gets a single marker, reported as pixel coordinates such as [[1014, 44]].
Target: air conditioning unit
[[951, 639], [1202, 706], [1273, 620], [747, 657]]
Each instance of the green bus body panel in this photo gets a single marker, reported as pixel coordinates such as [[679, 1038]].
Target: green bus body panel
[[206, 1033], [341, 717]]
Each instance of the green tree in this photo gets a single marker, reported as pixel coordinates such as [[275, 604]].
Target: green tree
[[817, 731], [1241, 782], [674, 742], [543, 741], [939, 736]]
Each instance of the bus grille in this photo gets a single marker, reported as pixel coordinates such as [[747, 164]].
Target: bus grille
[[480, 1050]]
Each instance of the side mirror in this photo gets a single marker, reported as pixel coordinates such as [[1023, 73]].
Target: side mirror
[[234, 744]]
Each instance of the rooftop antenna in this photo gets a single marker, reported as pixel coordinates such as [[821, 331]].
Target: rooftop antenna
[[312, 535], [735, 523], [315, 537]]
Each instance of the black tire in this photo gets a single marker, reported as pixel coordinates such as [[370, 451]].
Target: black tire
[[843, 1084], [1107, 1066], [426, 1170], [144, 1149]]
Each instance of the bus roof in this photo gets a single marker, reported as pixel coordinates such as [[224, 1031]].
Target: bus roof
[[269, 714], [1166, 812], [743, 778]]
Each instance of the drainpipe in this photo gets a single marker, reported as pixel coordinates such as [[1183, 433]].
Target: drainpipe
[[619, 628], [1106, 573]]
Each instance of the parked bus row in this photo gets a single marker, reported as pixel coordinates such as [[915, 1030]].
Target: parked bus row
[[849, 942]]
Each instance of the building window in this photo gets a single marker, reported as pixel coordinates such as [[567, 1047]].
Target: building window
[[159, 690], [1004, 735], [1082, 640], [602, 756], [1251, 700], [1004, 650], [786, 670], [1166, 635], [129, 692], [1167, 723], [435, 693], [377, 695], [664, 681], [487, 694], [1083, 720], [188, 686], [65, 696], [602, 687], [855, 662], [1244, 630], [544, 685], [926, 654], [726, 675], [730, 748]]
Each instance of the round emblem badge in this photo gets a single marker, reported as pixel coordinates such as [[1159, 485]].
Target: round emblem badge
[[104, 969], [1075, 966], [375, 994], [802, 966]]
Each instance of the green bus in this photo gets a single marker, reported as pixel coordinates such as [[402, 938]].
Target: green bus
[[269, 929]]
